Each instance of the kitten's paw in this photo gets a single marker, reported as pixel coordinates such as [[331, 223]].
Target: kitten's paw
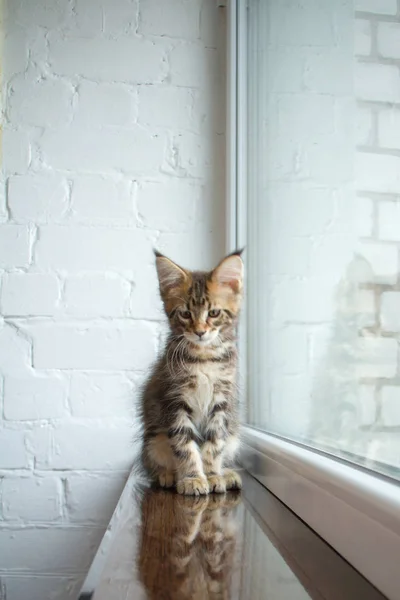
[[217, 484], [166, 479], [193, 486], [233, 480]]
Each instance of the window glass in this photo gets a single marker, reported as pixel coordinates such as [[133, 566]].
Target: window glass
[[323, 225]]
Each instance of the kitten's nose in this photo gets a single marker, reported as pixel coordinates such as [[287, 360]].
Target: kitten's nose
[[200, 333]]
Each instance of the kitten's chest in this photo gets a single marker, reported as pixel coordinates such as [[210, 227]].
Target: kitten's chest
[[201, 396]]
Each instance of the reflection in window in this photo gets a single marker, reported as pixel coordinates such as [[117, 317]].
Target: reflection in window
[[323, 175]]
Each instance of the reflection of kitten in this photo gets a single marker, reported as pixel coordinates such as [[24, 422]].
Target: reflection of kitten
[[187, 546], [189, 404]]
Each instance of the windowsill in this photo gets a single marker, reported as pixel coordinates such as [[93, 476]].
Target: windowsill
[[269, 551], [357, 513]]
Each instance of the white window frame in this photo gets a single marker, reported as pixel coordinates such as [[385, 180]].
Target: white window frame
[[354, 510]]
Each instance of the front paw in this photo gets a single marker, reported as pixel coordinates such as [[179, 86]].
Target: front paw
[[166, 479], [193, 486], [233, 480], [217, 484]]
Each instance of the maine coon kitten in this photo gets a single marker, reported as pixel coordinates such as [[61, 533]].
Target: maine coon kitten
[[189, 404]]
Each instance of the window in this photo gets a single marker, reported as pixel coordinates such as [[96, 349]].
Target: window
[[315, 188]]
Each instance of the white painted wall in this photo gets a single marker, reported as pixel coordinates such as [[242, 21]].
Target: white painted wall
[[113, 142]]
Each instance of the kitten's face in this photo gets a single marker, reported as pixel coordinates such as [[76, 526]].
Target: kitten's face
[[202, 307]]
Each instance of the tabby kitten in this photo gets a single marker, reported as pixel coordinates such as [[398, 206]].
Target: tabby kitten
[[189, 405]]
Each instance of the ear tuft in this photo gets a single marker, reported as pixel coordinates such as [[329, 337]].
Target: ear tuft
[[169, 274], [230, 272]]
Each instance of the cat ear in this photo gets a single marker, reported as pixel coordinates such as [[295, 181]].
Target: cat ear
[[169, 274], [230, 272]]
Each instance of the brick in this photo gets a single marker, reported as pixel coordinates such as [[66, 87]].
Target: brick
[[162, 19], [288, 76], [389, 40], [390, 311], [291, 259], [377, 173], [18, 457], [364, 307], [296, 389], [177, 107], [102, 395], [16, 151], [379, 7], [101, 199], [31, 499], [134, 151], [96, 446], [290, 350], [39, 101], [106, 59], [38, 49], [119, 17], [311, 161], [41, 586], [303, 115], [189, 156], [376, 357], [291, 301], [377, 82], [317, 208], [389, 221], [30, 398], [364, 216], [14, 246], [364, 126], [311, 24], [120, 347], [78, 548], [15, 49], [367, 405], [94, 295], [29, 294], [193, 66], [332, 60], [145, 301], [104, 16], [93, 498], [362, 37], [382, 260], [155, 204], [38, 198], [15, 351], [87, 20], [102, 105], [97, 248], [191, 248], [389, 129], [47, 13], [391, 405]]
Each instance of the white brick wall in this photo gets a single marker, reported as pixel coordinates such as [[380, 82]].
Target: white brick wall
[[112, 144]]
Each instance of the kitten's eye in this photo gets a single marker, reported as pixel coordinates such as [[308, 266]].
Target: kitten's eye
[[186, 314], [214, 313]]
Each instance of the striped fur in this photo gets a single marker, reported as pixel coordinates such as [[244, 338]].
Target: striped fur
[[189, 404]]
